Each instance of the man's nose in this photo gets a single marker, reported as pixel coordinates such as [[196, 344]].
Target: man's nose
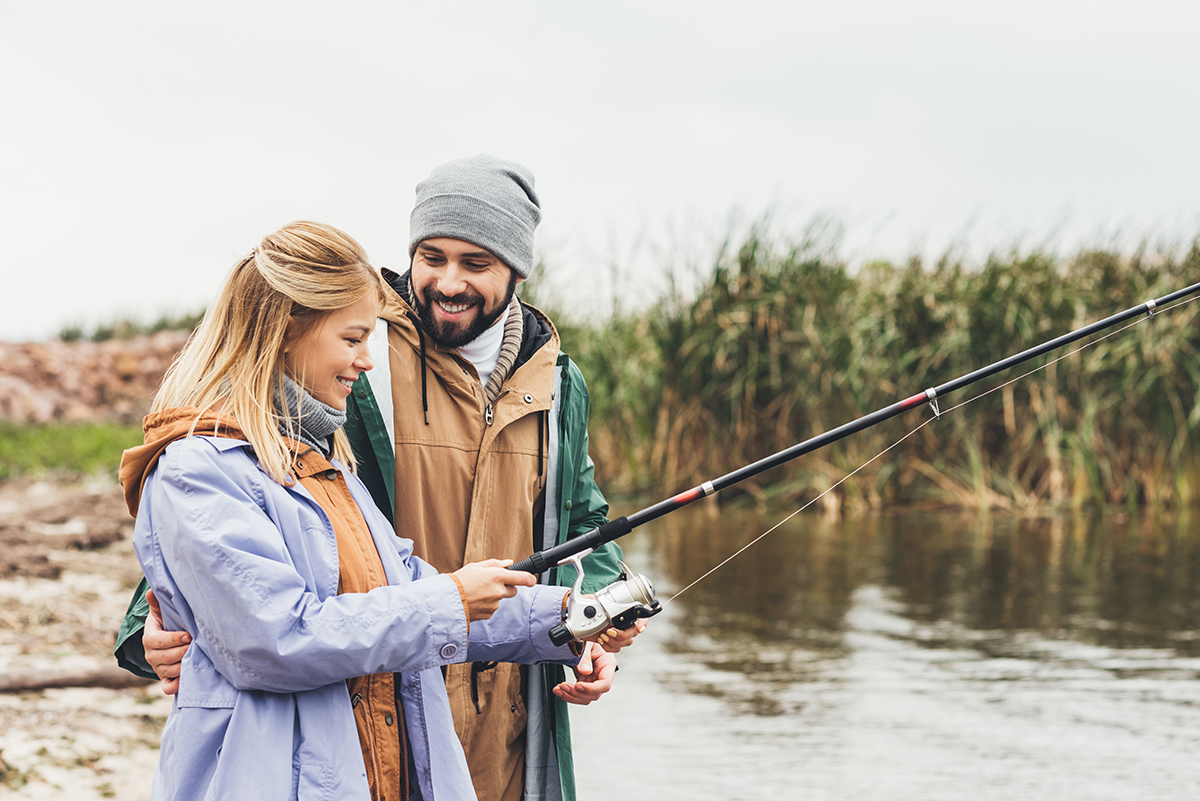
[[453, 280]]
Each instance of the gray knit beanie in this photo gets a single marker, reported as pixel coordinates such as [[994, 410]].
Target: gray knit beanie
[[484, 200]]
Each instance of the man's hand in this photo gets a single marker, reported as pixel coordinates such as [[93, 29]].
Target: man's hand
[[614, 639], [593, 676], [164, 649], [485, 584]]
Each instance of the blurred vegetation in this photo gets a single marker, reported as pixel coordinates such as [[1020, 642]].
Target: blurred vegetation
[[128, 329], [783, 342], [65, 450]]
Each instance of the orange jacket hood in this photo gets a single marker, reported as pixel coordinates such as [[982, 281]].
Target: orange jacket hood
[[159, 430]]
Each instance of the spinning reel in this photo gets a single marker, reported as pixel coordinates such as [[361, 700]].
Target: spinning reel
[[618, 605]]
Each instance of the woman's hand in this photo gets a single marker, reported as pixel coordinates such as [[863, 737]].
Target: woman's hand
[[485, 584], [614, 639], [164, 649], [593, 676]]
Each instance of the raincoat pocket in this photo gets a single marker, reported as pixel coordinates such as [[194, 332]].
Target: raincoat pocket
[[200, 685], [312, 781]]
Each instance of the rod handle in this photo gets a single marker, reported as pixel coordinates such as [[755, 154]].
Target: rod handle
[[542, 561]]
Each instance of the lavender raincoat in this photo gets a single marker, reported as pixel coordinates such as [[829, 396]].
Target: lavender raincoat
[[249, 568]]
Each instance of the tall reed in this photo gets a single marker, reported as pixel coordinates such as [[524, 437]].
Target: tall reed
[[785, 341]]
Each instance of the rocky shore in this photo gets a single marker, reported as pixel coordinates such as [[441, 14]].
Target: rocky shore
[[72, 725]]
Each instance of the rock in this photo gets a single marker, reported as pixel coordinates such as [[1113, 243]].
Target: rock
[[56, 381]]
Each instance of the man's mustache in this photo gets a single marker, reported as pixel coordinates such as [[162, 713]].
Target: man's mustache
[[463, 298]]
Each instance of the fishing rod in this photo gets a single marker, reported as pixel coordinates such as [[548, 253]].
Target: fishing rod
[[614, 529], [567, 552]]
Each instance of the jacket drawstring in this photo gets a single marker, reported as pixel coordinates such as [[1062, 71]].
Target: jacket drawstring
[[543, 425], [424, 386], [476, 669]]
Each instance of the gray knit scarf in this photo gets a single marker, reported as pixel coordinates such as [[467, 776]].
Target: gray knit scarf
[[307, 419]]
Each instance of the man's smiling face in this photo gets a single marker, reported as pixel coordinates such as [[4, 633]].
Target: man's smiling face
[[461, 289]]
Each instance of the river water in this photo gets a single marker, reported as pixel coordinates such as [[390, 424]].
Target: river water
[[907, 656]]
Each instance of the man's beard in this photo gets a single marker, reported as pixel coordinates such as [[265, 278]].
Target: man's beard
[[451, 335]]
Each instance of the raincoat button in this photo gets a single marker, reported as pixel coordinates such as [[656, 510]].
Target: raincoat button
[[388, 720], [449, 650], [568, 505], [362, 393], [529, 399]]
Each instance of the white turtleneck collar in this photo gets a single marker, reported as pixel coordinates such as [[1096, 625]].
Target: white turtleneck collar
[[484, 350]]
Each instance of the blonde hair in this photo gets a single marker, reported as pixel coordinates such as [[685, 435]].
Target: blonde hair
[[234, 359]]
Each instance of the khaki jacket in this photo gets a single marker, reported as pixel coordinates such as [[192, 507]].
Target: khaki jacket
[[470, 482], [466, 490]]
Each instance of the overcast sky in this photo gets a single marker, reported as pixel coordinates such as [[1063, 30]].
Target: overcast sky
[[144, 146]]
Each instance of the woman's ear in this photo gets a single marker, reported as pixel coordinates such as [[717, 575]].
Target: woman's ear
[[289, 334]]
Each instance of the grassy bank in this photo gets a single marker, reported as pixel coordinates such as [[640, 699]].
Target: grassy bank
[[782, 343], [64, 450]]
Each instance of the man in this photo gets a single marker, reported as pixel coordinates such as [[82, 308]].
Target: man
[[471, 433]]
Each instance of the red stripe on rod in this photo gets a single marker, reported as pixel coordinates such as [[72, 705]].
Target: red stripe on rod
[[915, 400], [687, 497]]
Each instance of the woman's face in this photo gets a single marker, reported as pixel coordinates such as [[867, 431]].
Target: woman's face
[[329, 357]]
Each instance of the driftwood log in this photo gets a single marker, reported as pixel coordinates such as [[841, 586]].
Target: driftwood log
[[109, 678]]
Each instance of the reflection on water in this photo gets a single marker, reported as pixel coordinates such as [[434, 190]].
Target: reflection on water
[[908, 656]]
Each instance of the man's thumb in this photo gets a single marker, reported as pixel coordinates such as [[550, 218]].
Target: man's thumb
[[585, 662]]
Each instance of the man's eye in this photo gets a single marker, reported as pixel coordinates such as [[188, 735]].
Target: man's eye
[[478, 265], [354, 341]]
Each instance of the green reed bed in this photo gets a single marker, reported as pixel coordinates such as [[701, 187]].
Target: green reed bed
[[783, 343]]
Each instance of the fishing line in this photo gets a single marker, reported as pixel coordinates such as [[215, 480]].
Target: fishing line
[[798, 511], [937, 416]]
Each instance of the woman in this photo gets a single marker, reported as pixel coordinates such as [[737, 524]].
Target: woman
[[313, 626]]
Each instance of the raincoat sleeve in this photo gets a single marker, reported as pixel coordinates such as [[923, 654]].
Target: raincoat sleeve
[[223, 570], [519, 631]]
